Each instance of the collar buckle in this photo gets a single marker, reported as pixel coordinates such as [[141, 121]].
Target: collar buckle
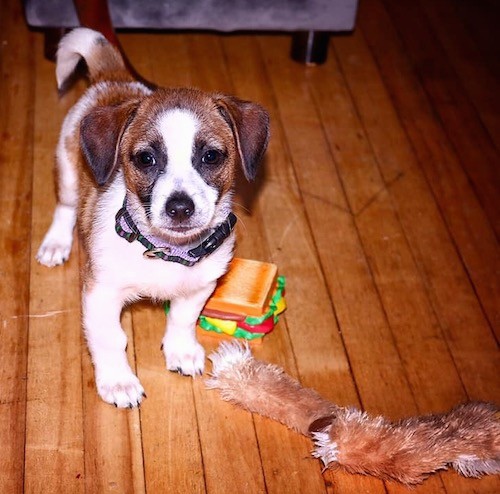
[[156, 252]]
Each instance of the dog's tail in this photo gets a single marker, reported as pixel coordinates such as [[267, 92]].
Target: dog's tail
[[104, 61]]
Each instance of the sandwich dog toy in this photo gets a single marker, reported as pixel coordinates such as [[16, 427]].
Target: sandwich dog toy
[[246, 303], [147, 174]]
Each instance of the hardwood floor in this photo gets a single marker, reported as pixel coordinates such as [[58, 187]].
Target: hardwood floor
[[379, 201]]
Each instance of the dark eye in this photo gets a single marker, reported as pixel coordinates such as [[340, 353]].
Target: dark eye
[[145, 159], [212, 157]]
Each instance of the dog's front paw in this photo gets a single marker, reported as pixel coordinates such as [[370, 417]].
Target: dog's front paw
[[186, 358], [53, 252], [123, 391], [56, 245]]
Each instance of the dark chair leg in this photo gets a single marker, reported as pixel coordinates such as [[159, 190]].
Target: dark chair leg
[[310, 47], [52, 36]]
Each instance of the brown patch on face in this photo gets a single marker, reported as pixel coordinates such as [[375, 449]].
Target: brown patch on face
[[215, 156], [140, 141]]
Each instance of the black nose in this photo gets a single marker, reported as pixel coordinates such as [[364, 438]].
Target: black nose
[[179, 207]]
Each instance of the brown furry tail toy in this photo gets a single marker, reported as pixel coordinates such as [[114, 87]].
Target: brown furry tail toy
[[467, 437]]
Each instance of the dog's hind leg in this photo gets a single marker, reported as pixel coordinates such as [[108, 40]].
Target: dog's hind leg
[[56, 245]]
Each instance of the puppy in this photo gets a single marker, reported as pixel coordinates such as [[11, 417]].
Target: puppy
[[148, 176]]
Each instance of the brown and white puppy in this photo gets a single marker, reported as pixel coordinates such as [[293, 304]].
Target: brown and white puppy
[[165, 159]]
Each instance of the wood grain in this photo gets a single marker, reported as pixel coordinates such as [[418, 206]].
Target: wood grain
[[16, 161], [54, 432]]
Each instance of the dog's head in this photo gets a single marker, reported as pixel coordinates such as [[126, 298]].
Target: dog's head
[[179, 150]]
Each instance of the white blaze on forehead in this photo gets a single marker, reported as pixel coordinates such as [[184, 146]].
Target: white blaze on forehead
[[178, 129]]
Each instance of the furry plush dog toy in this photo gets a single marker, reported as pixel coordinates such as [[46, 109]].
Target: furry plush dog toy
[[408, 451]]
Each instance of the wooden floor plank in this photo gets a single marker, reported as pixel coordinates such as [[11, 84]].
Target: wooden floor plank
[[327, 213], [410, 311], [54, 432], [476, 358], [465, 219], [16, 157]]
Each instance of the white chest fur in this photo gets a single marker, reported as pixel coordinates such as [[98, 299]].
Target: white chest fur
[[121, 265]]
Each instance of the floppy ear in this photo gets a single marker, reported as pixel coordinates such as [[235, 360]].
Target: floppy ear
[[250, 125], [101, 131]]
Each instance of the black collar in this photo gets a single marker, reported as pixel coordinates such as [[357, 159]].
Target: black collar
[[159, 248]]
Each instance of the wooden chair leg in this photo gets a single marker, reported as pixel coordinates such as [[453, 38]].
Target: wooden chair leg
[[310, 47]]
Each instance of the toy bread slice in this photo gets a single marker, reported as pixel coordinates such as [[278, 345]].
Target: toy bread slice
[[246, 289]]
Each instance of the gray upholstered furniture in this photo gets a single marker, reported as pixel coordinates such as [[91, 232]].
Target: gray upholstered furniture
[[315, 18]]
